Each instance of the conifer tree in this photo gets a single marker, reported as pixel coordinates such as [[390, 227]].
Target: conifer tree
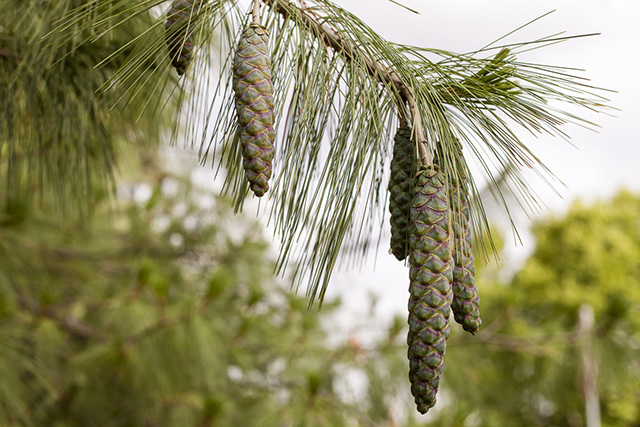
[[60, 141]]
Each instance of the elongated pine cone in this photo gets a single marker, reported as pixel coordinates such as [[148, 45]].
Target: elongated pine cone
[[466, 301], [430, 286], [254, 106], [179, 32], [401, 191]]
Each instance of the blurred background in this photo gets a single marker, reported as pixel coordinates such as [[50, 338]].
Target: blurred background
[[132, 295]]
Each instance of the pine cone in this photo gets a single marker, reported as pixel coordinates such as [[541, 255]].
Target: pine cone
[[466, 301], [254, 106], [179, 33], [401, 192], [430, 287]]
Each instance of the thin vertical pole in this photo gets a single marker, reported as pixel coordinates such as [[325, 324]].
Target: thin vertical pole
[[586, 321]]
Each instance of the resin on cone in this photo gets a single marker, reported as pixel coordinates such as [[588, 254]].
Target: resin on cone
[[401, 191], [430, 286], [466, 301], [254, 106], [179, 32]]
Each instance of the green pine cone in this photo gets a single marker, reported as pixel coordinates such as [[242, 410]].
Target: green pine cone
[[430, 286], [401, 192], [254, 106], [179, 33], [466, 301]]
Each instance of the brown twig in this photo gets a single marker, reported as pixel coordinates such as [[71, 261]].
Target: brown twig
[[386, 76], [73, 325], [162, 324], [256, 12], [7, 53]]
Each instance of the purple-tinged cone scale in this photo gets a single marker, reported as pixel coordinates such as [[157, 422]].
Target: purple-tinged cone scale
[[179, 28], [401, 191], [254, 106], [430, 286]]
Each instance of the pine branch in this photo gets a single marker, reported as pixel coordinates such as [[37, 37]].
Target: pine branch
[[73, 325], [537, 345], [330, 38], [54, 83], [339, 89], [162, 324]]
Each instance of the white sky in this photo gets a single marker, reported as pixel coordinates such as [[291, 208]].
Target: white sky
[[599, 164]]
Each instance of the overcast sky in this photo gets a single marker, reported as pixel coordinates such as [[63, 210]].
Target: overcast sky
[[600, 163]]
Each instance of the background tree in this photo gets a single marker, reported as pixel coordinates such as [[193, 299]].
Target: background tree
[[160, 312], [60, 141]]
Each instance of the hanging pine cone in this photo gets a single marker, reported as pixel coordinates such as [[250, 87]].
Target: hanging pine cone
[[430, 286], [254, 106], [466, 301], [401, 191], [179, 33]]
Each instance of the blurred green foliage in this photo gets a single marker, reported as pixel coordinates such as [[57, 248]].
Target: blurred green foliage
[[525, 368], [162, 311], [61, 130]]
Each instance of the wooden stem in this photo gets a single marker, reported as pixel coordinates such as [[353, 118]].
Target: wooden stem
[[384, 74], [256, 11]]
